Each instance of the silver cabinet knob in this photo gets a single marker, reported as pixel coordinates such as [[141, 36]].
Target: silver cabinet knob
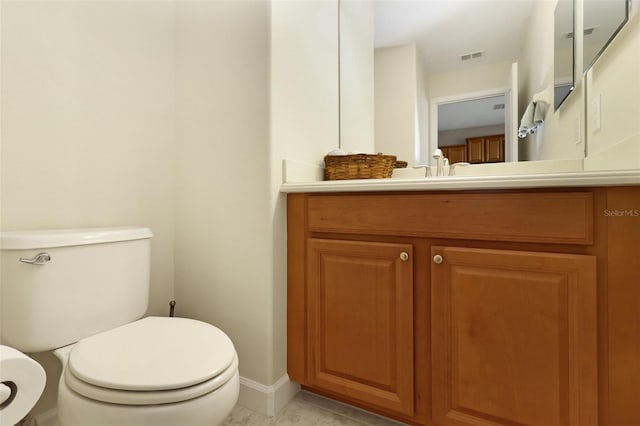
[[404, 256], [437, 259]]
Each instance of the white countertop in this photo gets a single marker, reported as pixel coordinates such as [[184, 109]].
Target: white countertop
[[459, 183]]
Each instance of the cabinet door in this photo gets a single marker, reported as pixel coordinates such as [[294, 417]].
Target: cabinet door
[[445, 151], [457, 154], [360, 321], [513, 338], [475, 150], [494, 149]]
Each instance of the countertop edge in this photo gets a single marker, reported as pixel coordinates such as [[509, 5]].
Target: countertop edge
[[461, 183]]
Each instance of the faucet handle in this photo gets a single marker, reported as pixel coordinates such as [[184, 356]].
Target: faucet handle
[[437, 153], [452, 167]]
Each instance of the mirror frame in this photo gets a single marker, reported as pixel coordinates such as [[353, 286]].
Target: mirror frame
[[627, 9]]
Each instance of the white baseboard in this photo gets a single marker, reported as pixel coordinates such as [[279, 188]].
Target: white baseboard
[[267, 400]]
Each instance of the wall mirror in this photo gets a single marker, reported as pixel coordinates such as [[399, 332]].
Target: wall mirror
[[473, 131], [564, 51], [602, 20], [412, 44]]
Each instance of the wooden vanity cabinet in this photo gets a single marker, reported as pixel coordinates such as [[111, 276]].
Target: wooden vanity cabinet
[[512, 307]]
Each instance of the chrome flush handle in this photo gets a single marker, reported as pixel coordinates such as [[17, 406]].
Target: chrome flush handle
[[38, 259]]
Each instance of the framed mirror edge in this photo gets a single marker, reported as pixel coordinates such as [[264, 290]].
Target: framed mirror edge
[[627, 11]]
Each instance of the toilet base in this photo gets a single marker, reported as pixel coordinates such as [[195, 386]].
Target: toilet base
[[207, 410]]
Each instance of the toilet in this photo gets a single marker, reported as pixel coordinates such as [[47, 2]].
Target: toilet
[[83, 293]]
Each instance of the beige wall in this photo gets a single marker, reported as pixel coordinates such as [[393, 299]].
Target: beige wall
[[469, 80], [87, 123], [223, 252], [356, 76], [395, 101], [556, 139], [304, 81], [615, 77], [422, 115], [568, 132]]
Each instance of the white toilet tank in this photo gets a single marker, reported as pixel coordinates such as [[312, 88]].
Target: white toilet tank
[[80, 282]]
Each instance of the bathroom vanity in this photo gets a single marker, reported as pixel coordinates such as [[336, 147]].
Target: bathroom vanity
[[441, 306]]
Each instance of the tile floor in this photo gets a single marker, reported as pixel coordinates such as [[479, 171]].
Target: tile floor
[[309, 410]]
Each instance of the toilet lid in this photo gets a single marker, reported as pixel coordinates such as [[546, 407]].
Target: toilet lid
[[152, 354]]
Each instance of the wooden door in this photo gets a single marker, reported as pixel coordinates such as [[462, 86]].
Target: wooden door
[[457, 154], [513, 338], [360, 321], [494, 149], [475, 150]]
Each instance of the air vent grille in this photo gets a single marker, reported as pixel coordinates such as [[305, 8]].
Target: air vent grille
[[498, 106], [586, 31], [472, 55]]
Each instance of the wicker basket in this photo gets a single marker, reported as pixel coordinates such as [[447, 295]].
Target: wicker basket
[[400, 164], [358, 166]]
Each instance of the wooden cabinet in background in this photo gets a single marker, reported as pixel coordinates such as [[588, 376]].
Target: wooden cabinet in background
[[513, 337], [485, 149], [360, 321], [475, 150], [455, 153], [494, 149]]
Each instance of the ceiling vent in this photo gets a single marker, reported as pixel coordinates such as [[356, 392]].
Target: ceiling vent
[[586, 31], [473, 55], [498, 106]]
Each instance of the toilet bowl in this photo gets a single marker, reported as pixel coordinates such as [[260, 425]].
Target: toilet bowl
[[155, 371], [82, 292]]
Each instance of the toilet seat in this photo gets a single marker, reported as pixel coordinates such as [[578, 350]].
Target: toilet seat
[[155, 360], [115, 396]]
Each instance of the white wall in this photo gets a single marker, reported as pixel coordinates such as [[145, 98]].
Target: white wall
[[223, 226], [356, 76], [422, 115], [396, 101], [556, 139], [615, 78], [304, 80], [87, 123], [469, 80]]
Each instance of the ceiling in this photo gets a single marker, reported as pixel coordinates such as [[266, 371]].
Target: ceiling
[[445, 29], [473, 113]]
